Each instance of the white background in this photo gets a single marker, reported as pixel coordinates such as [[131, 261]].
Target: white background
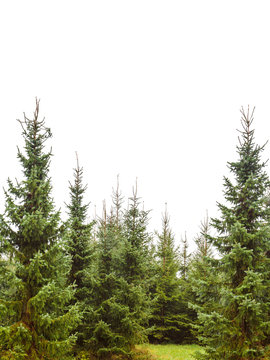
[[147, 89]]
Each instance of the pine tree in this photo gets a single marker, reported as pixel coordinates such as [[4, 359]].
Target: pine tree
[[78, 238], [236, 324], [167, 317], [35, 320]]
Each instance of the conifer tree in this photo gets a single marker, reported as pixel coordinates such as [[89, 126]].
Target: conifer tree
[[201, 273], [102, 338], [234, 327], [137, 266], [184, 258], [111, 328], [187, 314], [78, 238], [119, 307], [35, 320], [202, 278], [167, 317], [204, 248]]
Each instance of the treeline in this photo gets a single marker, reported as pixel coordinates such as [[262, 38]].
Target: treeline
[[95, 289]]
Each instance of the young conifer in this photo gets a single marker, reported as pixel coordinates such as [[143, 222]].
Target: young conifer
[[201, 276], [136, 261], [137, 267], [110, 326], [201, 273], [184, 258], [35, 320], [186, 313], [167, 317], [118, 306], [236, 324], [78, 238]]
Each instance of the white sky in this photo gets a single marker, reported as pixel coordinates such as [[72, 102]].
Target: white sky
[[147, 89]]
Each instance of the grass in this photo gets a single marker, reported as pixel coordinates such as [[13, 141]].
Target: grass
[[171, 352], [157, 352]]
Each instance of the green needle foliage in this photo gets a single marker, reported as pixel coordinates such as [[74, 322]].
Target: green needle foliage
[[79, 243], [136, 253], [104, 321], [186, 313], [201, 273], [202, 277], [167, 318], [36, 322], [120, 304], [237, 323], [110, 327]]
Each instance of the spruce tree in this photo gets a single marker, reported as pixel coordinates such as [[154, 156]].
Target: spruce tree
[[204, 248], [79, 245], [137, 267], [136, 254], [184, 258], [234, 326], [201, 271], [167, 317], [202, 278], [111, 325], [120, 306], [35, 320], [187, 314]]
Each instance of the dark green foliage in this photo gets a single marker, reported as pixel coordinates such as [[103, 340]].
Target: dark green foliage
[[35, 320], [186, 313], [79, 245], [110, 327], [104, 327], [136, 262], [167, 317], [201, 276], [235, 325], [184, 258], [120, 303]]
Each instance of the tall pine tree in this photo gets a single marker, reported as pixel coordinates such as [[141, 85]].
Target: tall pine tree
[[35, 320], [234, 327]]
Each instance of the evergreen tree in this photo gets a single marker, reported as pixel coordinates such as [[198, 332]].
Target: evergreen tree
[[112, 327], [137, 267], [136, 254], [204, 247], [236, 324], [201, 276], [78, 238], [184, 258], [167, 317], [186, 313], [35, 320], [115, 304]]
